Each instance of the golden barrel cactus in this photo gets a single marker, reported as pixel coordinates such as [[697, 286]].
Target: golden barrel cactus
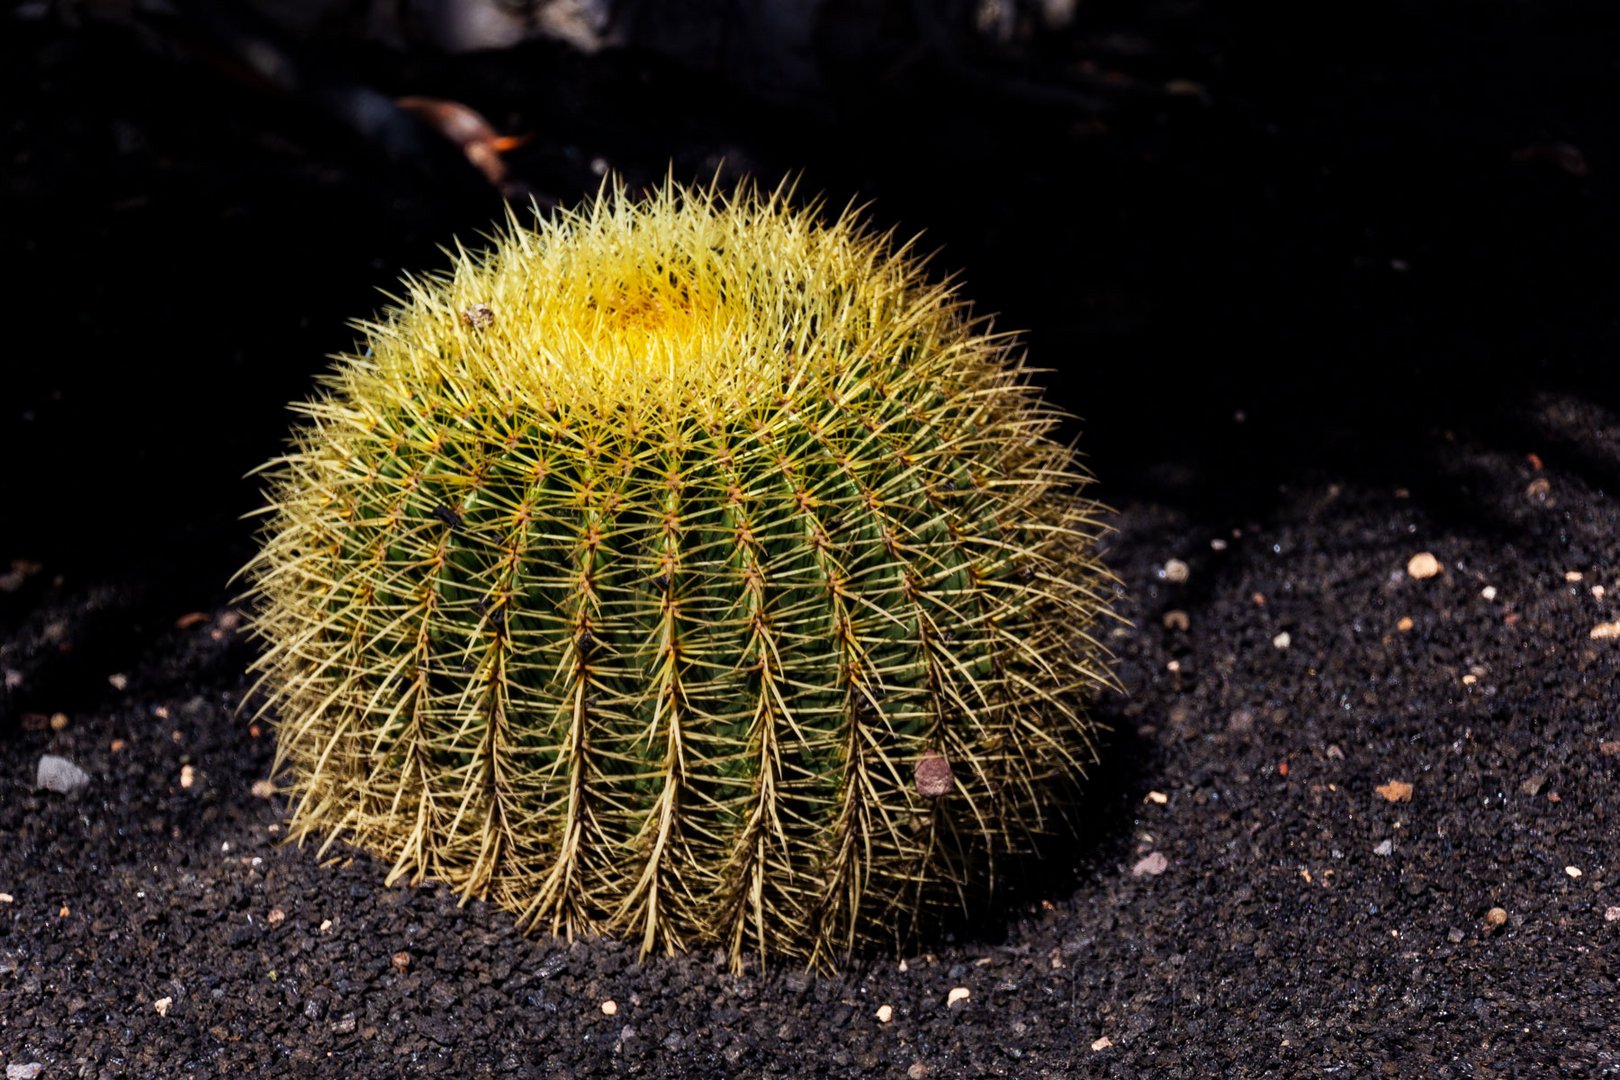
[[688, 568]]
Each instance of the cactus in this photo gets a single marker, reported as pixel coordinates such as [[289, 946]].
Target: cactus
[[689, 568]]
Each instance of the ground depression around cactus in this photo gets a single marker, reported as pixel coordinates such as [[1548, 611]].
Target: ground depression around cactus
[[686, 568]]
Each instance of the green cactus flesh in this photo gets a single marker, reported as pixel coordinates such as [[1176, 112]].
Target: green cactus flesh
[[685, 568]]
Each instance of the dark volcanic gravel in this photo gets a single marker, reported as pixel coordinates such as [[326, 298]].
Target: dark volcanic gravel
[[1301, 922], [1349, 822]]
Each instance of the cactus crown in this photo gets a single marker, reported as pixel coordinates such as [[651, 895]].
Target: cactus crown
[[688, 568]]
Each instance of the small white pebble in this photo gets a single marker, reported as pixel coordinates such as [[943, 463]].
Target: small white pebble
[[1177, 572], [1217, 544], [1572, 576], [610, 1007], [1386, 848], [1282, 640], [326, 924], [226, 846], [1598, 592], [1605, 630], [1423, 565], [263, 789], [885, 1013], [958, 993], [1573, 871], [1488, 592], [162, 1005], [118, 681], [1612, 914], [1152, 864], [1158, 797], [188, 776], [1470, 679], [1102, 1044], [6, 898]]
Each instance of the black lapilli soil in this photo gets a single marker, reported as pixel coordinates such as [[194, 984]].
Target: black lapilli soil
[[1345, 298], [1299, 920]]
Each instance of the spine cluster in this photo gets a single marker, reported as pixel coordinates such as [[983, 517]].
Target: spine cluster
[[730, 593]]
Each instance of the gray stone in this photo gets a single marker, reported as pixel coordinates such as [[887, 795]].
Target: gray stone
[[59, 774], [25, 1072]]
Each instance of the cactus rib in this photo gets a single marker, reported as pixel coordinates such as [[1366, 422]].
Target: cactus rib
[[633, 571]]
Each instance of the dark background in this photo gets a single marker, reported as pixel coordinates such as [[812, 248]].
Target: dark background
[[1329, 284], [1351, 222]]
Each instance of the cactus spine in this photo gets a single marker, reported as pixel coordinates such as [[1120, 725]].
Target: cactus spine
[[684, 568]]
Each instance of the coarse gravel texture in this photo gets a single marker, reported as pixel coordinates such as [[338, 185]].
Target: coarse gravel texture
[[1352, 308], [1302, 921]]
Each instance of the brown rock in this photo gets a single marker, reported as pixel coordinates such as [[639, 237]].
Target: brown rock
[[1395, 791], [1423, 565], [934, 776]]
